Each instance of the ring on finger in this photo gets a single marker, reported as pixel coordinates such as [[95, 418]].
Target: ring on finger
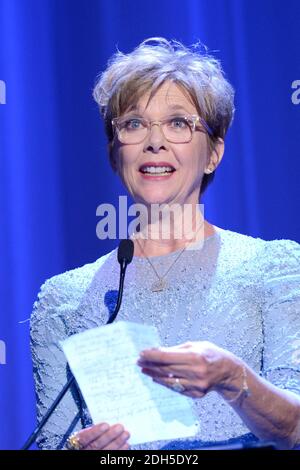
[[177, 386], [73, 442]]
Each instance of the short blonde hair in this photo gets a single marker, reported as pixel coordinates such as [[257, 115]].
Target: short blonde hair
[[129, 76]]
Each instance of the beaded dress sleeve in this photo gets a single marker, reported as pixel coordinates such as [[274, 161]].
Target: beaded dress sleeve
[[281, 316]]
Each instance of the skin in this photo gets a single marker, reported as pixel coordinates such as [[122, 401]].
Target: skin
[[190, 160], [104, 437], [270, 413]]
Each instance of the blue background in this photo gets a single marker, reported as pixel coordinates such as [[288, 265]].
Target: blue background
[[53, 164]]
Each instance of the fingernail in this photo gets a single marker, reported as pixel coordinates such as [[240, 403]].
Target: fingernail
[[104, 427]]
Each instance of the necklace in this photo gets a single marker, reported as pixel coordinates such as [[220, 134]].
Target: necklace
[[161, 284]]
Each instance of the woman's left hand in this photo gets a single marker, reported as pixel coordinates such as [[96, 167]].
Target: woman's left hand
[[192, 368]]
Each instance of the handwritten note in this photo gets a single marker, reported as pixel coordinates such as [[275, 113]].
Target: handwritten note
[[103, 361]]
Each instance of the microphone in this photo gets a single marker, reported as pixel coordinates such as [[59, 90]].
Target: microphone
[[125, 255]]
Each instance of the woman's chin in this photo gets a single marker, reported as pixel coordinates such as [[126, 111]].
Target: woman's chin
[[149, 200]]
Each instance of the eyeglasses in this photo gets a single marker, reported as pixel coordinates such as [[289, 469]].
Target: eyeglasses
[[176, 129]]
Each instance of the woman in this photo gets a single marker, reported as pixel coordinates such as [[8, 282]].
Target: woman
[[225, 304]]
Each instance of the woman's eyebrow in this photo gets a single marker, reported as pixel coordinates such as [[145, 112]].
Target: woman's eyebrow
[[172, 108]]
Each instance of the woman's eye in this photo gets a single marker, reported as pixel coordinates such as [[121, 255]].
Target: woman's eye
[[178, 123], [133, 124]]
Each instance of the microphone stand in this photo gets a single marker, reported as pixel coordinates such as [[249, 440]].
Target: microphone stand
[[125, 254]]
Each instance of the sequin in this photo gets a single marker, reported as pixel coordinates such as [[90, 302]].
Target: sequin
[[239, 292]]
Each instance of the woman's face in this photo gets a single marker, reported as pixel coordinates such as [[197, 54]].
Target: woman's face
[[189, 160]]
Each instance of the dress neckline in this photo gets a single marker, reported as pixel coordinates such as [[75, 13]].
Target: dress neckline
[[191, 249]]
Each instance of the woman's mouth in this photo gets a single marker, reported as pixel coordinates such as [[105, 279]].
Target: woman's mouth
[[161, 170]]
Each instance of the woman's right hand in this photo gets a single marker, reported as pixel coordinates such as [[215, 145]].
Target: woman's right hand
[[103, 437]]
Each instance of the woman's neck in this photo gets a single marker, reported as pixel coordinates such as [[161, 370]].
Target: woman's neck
[[157, 244]]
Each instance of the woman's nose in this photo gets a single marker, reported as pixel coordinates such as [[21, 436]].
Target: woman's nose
[[155, 139]]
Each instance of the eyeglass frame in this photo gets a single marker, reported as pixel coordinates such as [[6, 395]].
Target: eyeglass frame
[[193, 117]]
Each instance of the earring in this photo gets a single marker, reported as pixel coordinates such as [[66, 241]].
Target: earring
[[207, 171]]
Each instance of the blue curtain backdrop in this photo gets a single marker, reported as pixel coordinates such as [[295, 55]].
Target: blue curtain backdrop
[[53, 165]]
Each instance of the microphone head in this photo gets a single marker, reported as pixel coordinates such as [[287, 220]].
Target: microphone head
[[125, 251]]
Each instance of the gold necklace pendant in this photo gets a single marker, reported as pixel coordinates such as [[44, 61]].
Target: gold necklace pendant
[[159, 285]]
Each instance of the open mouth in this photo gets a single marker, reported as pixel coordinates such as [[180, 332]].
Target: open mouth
[[161, 169]]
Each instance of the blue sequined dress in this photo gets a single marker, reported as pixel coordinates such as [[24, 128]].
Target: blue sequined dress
[[239, 292]]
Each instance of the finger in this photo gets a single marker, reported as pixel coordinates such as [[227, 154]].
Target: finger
[[179, 371], [170, 382], [126, 446], [166, 357], [192, 389], [118, 443], [105, 438], [194, 394], [88, 435]]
